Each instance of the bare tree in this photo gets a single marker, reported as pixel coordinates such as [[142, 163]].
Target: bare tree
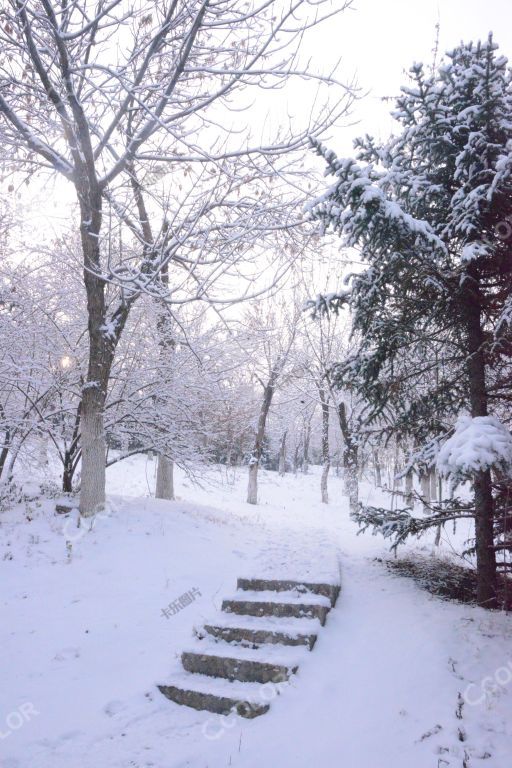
[[100, 94], [274, 334]]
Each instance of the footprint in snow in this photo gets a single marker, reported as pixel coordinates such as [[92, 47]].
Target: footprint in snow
[[114, 707], [66, 654]]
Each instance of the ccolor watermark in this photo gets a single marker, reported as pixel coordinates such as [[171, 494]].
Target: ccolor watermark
[[17, 718], [215, 727], [475, 694]]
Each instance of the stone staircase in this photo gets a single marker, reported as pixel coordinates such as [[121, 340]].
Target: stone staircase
[[239, 660]]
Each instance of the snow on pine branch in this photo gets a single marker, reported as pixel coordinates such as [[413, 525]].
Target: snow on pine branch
[[361, 201], [477, 444], [327, 302]]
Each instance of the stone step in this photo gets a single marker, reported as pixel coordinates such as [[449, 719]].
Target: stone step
[[246, 670], [254, 607], [217, 695], [290, 626], [285, 585], [257, 637]]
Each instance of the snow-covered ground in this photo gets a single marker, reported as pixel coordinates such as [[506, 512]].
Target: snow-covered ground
[[397, 679]]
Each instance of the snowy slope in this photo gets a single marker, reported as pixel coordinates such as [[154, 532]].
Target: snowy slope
[[85, 642]]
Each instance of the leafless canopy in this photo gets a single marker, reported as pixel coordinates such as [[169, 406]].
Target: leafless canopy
[[164, 93]]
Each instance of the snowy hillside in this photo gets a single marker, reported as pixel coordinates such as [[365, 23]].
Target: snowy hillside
[[396, 679]]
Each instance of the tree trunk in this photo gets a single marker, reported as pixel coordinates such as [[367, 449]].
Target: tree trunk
[[350, 459], [307, 438], [296, 458], [252, 488], [4, 453], [378, 472], [425, 491], [326, 463], [164, 478], [282, 455], [433, 485], [94, 393], [268, 393], [71, 454], [484, 502], [14, 452], [92, 488], [67, 474], [409, 495]]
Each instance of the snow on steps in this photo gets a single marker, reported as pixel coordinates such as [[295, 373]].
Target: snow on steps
[[233, 667], [217, 695], [261, 585], [255, 637], [256, 630], [290, 604], [219, 656]]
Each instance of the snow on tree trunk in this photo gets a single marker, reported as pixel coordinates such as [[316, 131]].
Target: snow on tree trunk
[[92, 489], [164, 478], [352, 487], [323, 481], [252, 488], [433, 485]]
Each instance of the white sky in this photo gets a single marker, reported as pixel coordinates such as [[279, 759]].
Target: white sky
[[380, 39], [377, 41]]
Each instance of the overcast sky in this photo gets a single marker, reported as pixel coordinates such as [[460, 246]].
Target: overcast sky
[[377, 41], [380, 39]]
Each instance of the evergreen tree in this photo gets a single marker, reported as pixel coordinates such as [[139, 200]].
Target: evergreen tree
[[430, 211]]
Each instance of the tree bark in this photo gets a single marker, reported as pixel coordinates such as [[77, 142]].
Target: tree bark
[[484, 502], [71, 454], [92, 489], [326, 463], [307, 439], [377, 468], [254, 463], [282, 455], [164, 478], [409, 488], [4, 453], [252, 487], [67, 474], [94, 393], [296, 458], [433, 485], [350, 459]]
